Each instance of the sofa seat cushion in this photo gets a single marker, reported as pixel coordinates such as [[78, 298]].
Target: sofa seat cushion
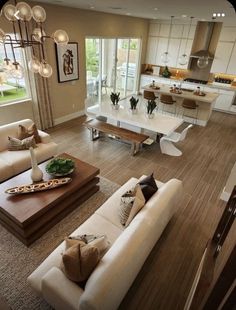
[[6, 170], [110, 209], [95, 224], [20, 160]]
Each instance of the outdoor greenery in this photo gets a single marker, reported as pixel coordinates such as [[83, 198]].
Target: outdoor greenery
[[133, 44], [15, 94], [92, 57]]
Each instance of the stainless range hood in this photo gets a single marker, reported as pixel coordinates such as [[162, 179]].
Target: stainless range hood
[[204, 36]]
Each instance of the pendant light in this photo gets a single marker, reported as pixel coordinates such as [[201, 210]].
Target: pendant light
[[165, 57], [202, 62], [183, 59]]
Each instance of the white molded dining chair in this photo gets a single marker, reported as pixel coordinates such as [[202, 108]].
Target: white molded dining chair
[[166, 145]]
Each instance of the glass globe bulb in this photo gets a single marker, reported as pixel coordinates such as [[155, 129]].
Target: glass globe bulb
[[45, 70], [9, 11], [34, 65], [60, 37], [17, 72], [39, 14], [38, 34], [183, 60], [165, 57], [202, 62], [24, 11], [2, 36]]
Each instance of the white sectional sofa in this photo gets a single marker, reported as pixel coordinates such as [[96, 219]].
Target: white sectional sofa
[[14, 162], [115, 273]]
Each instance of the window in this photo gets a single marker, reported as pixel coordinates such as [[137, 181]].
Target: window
[[13, 89]]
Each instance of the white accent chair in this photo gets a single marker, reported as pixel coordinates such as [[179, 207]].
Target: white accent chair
[[167, 147]]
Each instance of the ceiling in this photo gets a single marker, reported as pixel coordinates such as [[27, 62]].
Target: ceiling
[[157, 9]]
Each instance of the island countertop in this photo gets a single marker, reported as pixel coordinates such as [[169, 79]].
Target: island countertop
[[199, 116], [165, 89]]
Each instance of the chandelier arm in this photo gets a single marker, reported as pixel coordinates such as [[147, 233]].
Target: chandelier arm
[[21, 33], [26, 32], [12, 48], [5, 51]]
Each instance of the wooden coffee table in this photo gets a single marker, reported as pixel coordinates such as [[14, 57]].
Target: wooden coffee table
[[29, 216]]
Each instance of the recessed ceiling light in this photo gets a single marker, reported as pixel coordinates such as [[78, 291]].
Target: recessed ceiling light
[[223, 14], [218, 14], [184, 16], [214, 14], [128, 13], [155, 9], [92, 7]]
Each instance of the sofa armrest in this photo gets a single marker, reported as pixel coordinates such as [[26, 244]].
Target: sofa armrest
[[45, 137], [59, 291]]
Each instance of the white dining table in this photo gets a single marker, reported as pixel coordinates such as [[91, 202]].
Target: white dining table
[[161, 124]]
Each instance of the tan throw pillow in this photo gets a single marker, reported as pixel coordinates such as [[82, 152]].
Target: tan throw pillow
[[69, 242], [32, 130], [18, 145], [79, 261], [131, 203]]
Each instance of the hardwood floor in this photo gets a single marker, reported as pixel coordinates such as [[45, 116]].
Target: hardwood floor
[[208, 157]]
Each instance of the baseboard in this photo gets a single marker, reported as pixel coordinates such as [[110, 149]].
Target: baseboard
[[224, 195], [68, 117]]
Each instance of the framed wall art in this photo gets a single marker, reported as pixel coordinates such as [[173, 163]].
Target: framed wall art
[[67, 62]]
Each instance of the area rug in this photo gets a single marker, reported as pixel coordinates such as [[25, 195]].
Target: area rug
[[17, 261]]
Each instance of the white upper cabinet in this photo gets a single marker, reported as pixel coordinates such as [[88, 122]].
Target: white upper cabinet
[[186, 51], [222, 57], [164, 30], [174, 52], [231, 69], [191, 32], [154, 29], [158, 41], [228, 34], [151, 51], [176, 31], [161, 48]]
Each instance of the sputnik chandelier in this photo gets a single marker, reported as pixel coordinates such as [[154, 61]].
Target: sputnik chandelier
[[21, 15]]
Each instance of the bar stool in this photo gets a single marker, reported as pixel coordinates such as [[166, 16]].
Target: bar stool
[[190, 105], [168, 101], [149, 95]]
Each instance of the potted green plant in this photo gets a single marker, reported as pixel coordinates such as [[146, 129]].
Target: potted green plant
[[133, 105], [166, 73], [115, 98], [151, 106]]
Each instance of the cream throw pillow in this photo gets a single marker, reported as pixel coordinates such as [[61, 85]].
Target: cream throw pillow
[[131, 203]]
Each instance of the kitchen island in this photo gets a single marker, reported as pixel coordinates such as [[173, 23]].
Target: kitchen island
[[205, 103]]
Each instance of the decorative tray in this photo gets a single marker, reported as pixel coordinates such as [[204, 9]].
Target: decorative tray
[[37, 187], [154, 87], [178, 92], [199, 94]]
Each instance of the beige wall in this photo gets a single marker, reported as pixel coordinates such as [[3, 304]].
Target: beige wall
[[68, 98]]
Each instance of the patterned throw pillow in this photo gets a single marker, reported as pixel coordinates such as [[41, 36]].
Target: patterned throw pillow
[[131, 203], [32, 130], [18, 145]]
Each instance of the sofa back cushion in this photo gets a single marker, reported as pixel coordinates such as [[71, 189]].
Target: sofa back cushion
[[110, 281], [11, 130]]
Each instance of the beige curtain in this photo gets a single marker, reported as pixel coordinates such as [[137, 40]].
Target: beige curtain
[[42, 105]]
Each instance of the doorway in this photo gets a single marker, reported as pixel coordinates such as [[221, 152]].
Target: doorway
[[112, 65]]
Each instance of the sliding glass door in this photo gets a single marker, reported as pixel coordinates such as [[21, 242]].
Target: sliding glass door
[[112, 66]]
